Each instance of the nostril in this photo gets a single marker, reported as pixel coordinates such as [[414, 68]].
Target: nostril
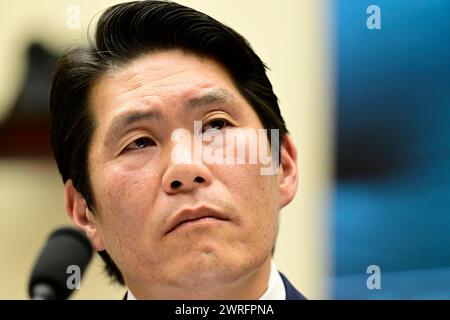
[[175, 184], [199, 179]]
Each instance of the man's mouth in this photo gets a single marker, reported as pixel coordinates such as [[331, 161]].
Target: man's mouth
[[201, 215]]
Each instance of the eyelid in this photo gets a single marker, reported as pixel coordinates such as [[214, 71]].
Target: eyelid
[[133, 139], [209, 121], [218, 115], [228, 123]]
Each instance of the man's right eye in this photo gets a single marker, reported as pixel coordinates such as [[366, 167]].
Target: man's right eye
[[140, 143]]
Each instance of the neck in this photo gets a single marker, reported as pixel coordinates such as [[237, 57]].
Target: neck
[[248, 287]]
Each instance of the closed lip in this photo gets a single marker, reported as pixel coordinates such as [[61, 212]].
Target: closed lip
[[192, 214]]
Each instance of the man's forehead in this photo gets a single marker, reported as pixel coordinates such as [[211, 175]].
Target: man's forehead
[[179, 103], [163, 65], [171, 74]]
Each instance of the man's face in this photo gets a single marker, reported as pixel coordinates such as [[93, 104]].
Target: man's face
[[140, 191]]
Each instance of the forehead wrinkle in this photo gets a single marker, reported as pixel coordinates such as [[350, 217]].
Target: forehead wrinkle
[[140, 88], [140, 73]]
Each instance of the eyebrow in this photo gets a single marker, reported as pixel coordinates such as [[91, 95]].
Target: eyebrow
[[121, 122], [215, 96]]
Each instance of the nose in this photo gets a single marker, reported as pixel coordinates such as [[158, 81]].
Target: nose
[[185, 177]]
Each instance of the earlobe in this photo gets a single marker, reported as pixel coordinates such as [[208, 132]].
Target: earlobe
[[81, 216], [288, 176]]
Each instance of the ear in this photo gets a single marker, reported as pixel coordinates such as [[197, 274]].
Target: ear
[[81, 216], [287, 174]]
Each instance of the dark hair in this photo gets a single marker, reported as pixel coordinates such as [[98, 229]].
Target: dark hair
[[125, 32]]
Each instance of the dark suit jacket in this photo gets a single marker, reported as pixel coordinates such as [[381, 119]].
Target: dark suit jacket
[[291, 292]]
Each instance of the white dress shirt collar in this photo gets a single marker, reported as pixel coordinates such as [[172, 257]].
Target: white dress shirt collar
[[275, 289]]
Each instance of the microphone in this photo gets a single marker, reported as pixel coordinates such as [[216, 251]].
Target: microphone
[[63, 258]]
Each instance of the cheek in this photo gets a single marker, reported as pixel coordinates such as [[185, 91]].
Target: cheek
[[257, 199], [125, 199], [255, 195]]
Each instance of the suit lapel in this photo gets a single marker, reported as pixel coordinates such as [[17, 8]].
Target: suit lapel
[[291, 292]]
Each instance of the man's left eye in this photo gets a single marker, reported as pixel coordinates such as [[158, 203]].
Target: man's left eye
[[216, 124]]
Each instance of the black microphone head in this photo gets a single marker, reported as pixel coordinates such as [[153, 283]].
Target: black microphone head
[[66, 252]]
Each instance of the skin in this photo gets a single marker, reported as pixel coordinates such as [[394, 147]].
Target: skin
[[132, 171]]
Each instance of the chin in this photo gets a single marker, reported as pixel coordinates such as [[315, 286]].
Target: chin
[[203, 270]]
